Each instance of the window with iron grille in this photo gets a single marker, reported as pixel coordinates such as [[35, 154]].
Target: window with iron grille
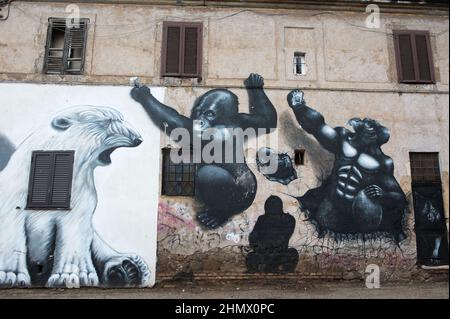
[[66, 46], [182, 49], [178, 179], [50, 182], [425, 168], [414, 57]]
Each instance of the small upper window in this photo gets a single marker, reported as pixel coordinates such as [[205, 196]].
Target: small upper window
[[178, 179], [182, 49], [299, 63], [414, 57], [50, 181], [66, 46]]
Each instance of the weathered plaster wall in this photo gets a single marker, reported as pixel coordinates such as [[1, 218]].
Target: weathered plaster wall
[[351, 73]]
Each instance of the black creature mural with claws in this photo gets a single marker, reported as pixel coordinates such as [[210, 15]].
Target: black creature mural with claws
[[224, 188], [361, 195]]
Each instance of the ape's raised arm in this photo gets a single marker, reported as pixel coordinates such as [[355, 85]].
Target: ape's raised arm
[[262, 112], [160, 113], [313, 122]]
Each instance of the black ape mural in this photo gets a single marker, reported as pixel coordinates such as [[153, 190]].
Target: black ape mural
[[284, 172], [361, 195], [269, 240], [224, 188]]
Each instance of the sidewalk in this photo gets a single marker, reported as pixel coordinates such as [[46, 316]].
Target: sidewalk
[[332, 290]]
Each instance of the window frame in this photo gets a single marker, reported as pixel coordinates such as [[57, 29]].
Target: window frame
[[49, 205], [182, 26], [412, 34], [64, 68], [166, 152]]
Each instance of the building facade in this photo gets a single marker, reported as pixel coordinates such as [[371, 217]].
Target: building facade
[[352, 101]]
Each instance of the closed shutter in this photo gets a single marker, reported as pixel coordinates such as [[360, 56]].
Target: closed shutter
[[66, 47], [422, 47], [173, 48], [406, 58], [181, 49], [41, 168], [50, 180], [414, 57], [190, 50]]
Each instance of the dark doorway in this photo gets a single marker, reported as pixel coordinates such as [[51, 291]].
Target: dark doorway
[[430, 226]]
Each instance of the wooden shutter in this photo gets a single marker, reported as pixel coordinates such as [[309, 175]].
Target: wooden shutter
[[181, 49], [414, 57], [68, 57], [173, 48], [50, 182], [54, 53], [75, 47]]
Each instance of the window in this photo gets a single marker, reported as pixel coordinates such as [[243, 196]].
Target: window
[[50, 181], [425, 168], [414, 57], [177, 179], [299, 63], [66, 47], [182, 49], [299, 157]]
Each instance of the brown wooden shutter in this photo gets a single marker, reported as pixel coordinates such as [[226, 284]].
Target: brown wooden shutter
[[406, 58], [191, 35], [50, 182], [173, 48], [413, 57], [423, 58], [181, 49]]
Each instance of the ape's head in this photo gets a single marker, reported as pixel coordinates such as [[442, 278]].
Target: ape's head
[[93, 132], [368, 132], [214, 108]]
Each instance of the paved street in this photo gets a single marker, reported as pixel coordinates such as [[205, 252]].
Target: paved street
[[346, 290]]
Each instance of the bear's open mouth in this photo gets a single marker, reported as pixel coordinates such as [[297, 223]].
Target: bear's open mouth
[[105, 156]]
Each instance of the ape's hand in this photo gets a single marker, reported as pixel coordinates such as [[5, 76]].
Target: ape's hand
[[295, 98], [374, 191], [140, 94], [254, 81]]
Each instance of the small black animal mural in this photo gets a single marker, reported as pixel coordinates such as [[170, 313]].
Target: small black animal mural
[[284, 172], [361, 195], [225, 188], [269, 240]]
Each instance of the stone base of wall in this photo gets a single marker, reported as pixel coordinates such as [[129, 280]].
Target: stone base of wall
[[229, 264]]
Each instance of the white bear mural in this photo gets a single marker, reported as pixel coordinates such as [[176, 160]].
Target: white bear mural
[[62, 248]]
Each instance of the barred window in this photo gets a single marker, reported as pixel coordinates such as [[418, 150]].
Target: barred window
[[425, 168], [178, 179]]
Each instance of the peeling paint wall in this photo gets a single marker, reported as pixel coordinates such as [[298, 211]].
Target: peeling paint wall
[[351, 73]]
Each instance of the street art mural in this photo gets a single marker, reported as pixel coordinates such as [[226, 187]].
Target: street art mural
[[62, 248], [361, 196], [225, 188], [285, 171], [269, 240]]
